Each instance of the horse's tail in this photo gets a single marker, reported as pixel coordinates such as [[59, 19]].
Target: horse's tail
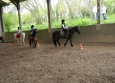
[[54, 37]]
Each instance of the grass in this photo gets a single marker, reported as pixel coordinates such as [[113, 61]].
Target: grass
[[69, 23]]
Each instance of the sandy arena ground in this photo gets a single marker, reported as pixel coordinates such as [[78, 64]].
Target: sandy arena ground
[[47, 64]]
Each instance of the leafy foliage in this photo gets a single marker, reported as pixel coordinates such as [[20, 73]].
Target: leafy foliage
[[74, 22], [11, 21], [75, 12]]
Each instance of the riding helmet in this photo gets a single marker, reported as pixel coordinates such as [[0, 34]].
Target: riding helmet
[[62, 20], [32, 26]]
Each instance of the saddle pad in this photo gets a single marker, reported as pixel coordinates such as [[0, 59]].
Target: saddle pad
[[61, 32], [17, 36]]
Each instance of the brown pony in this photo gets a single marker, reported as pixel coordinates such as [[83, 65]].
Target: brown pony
[[33, 39]]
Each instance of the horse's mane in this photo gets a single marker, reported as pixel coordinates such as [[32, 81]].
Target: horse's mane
[[73, 28], [35, 32]]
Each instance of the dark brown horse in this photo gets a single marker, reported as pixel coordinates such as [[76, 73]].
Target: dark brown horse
[[56, 36], [33, 39]]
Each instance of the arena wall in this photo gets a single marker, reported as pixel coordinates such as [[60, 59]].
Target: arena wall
[[89, 34]]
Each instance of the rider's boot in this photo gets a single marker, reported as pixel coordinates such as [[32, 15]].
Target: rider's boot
[[65, 35]]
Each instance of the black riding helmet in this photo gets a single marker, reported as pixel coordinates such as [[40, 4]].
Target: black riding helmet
[[62, 20], [32, 26]]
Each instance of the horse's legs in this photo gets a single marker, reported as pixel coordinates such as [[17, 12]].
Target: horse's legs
[[18, 41], [23, 41], [30, 43], [66, 41], [35, 43], [58, 41], [71, 42], [55, 42]]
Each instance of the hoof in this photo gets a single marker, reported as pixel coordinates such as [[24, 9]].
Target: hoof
[[71, 45]]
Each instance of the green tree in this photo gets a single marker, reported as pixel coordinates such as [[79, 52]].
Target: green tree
[[27, 18], [11, 21], [36, 9]]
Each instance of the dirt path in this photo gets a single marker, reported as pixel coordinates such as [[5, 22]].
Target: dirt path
[[47, 64]]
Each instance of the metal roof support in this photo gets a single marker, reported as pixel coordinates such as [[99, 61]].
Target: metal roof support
[[49, 14], [1, 18], [19, 15], [14, 2]]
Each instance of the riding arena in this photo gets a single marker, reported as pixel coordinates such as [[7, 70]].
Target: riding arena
[[47, 63]]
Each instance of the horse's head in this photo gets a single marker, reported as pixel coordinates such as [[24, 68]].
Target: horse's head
[[35, 32], [77, 29]]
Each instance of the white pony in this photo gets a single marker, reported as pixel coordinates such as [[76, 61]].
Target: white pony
[[21, 39]]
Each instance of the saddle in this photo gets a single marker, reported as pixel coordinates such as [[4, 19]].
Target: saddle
[[63, 34], [17, 36]]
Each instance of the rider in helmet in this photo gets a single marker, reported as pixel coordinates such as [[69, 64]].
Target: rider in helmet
[[32, 30], [19, 31], [64, 28]]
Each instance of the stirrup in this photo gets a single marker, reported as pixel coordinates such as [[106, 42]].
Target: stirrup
[[66, 36]]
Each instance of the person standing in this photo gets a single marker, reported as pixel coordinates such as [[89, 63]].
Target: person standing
[[95, 12], [103, 12]]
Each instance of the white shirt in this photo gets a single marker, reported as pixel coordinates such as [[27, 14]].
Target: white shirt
[[64, 26], [103, 10], [95, 9], [19, 31]]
